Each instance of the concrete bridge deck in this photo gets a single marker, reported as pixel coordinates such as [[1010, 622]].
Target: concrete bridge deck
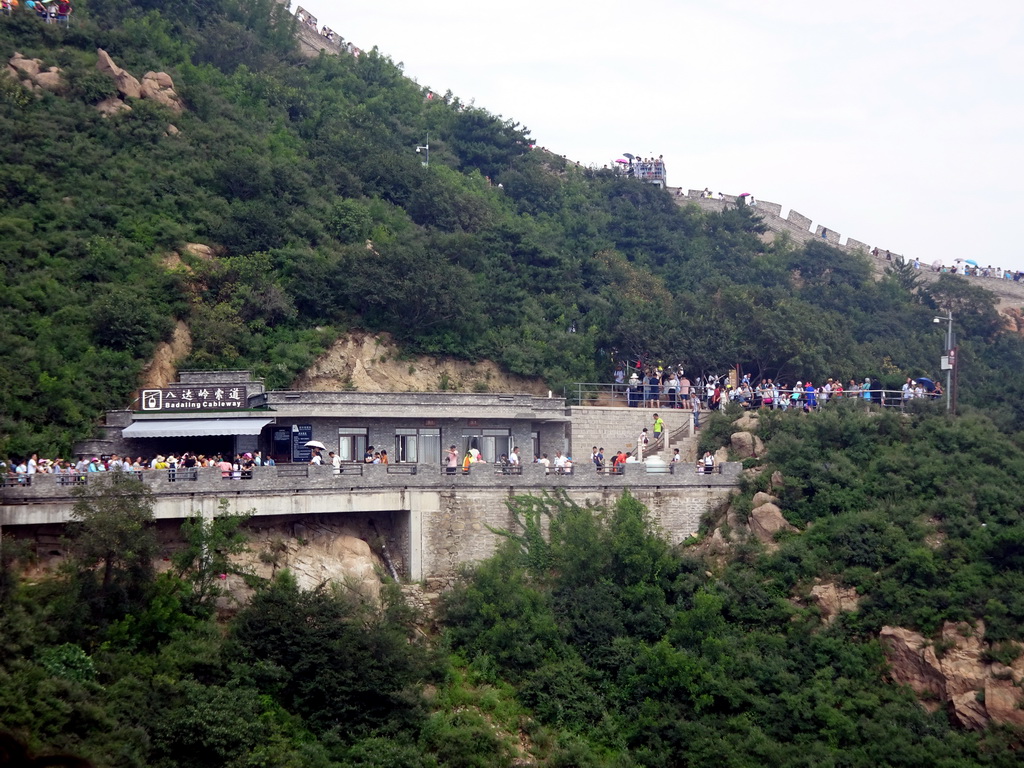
[[433, 521]]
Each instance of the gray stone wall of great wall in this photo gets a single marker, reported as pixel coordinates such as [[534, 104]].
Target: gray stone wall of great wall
[[799, 228], [459, 531]]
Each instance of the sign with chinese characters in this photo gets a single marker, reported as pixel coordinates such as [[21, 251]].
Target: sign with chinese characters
[[193, 398], [301, 434]]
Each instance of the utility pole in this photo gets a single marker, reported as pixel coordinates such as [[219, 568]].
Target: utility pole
[[948, 361]]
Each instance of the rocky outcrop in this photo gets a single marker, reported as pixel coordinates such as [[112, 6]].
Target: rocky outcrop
[[745, 445], [375, 363], [162, 369], [953, 672], [747, 422], [112, 106], [159, 87], [127, 85], [833, 600], [155, 86], [32, 75], [765, 521], [201, 251], [52, 80], [20, 65]]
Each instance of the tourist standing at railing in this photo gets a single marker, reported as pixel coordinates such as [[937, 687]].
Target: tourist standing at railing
[[672, 390], [653, 389], [684, 391], [709, 462], [513, 457], [452, 460]]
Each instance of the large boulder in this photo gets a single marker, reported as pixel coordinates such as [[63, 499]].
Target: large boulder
[[112, 106], [746, 445], [127, 85], [767, 520], [52, 81], [764, 498], [159, 87], [747, 422], [30, 67]]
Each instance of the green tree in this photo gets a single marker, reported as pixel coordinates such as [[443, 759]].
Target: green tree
[[112, 544], [211, 549]]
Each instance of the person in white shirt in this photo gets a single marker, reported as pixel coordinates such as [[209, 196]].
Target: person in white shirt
[[513, 458], [317, 459], [545, 461], [560, 462]]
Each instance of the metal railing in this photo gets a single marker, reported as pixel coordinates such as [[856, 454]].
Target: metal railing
[[648, 396]]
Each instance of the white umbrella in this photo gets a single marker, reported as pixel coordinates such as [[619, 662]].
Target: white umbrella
[[316, 444]]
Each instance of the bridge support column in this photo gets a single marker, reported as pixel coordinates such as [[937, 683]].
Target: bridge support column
[[421, 504]]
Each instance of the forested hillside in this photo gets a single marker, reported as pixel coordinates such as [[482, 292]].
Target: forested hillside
[[302, 175], [587, 640]]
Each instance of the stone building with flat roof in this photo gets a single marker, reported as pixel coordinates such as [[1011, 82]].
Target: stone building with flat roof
[[229, 412]]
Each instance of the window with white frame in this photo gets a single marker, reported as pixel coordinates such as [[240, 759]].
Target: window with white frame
[[351, 443], [417, 446]]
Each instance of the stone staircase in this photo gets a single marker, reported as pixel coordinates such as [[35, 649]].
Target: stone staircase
[[682, 437]]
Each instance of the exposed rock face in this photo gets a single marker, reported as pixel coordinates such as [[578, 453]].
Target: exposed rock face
[[162, 369], [1002, 701], [51, 81], [373, 363], [127, 85], [1013, 320], [833, 600], [957, 678], [764, 498], [200, 250], [767, 520], [747, 422], [112, 106], [746, 445], [37, 78], [159, 87], [30, 67], [777, 480]]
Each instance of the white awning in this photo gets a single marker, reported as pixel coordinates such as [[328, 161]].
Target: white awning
[[195, 427]]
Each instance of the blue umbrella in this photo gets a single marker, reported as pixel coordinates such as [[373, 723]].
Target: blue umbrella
[[972, 262], [926, 383]]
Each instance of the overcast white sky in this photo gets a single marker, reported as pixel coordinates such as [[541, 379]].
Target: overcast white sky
[[897, 122]]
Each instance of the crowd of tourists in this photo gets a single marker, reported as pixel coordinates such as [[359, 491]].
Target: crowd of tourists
[[661, 387], [239, 466], [646, 168], [48, 11]]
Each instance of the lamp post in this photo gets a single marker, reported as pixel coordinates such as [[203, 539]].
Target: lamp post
[[425, 149], [948, 360]]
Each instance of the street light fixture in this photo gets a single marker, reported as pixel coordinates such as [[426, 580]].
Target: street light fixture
[[425, 149], [948, 360]]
